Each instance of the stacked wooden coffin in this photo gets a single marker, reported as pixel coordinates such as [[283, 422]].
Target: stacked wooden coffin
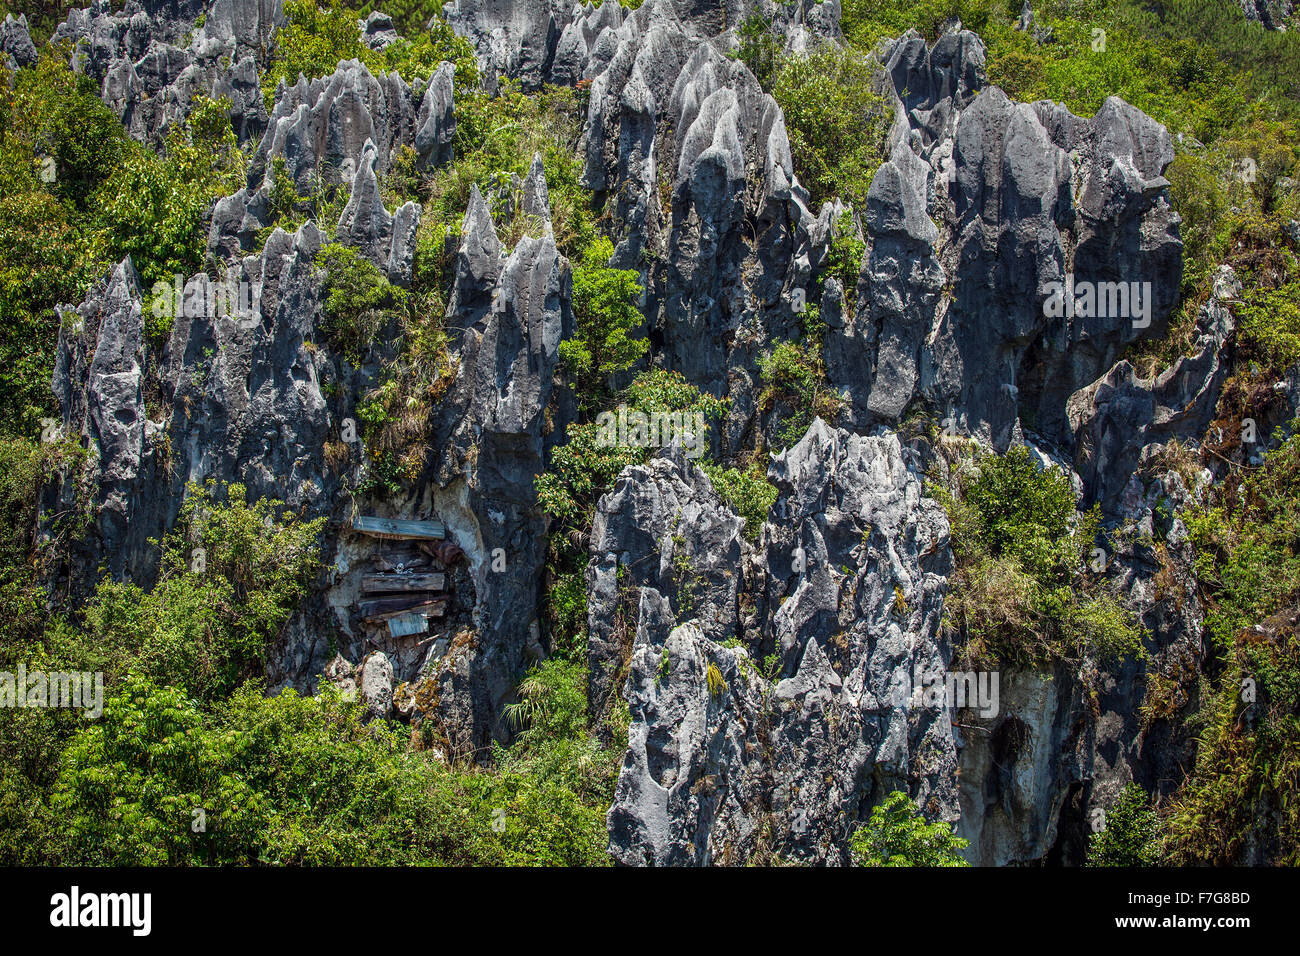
[[408, 584]]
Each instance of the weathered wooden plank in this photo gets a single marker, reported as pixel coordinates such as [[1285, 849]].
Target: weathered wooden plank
[[398, 528], [399, 583], [375, 611]]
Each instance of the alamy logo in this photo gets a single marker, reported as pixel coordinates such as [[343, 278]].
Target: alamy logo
[[103, 909], [633, 428], [977, 690], [204, 298], [1087, 299], [84, 691]]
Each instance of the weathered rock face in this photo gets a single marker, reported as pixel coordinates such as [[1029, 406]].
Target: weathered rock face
[[242, 399], [1018, 770], [491, 433], [697, 165], [1064, 744], [664, 550], [1273, 14], [151, 58], [343, 132], [235, 400], [983, 206], [788, 760], [556, 41], [1121, 420]]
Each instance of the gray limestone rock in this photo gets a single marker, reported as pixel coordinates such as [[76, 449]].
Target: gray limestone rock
[[16, 42], [151, 59], [729, 758], [343, 132]]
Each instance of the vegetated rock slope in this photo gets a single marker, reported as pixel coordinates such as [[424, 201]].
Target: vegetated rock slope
[[981, 204]]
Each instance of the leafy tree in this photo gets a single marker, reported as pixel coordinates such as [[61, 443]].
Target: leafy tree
[[1026, 511], [58, 142], [53, 112], [152, 208], [760, 48], [836, 121], [133, 781], [607, 317], [844, 258], [898, 835], [302, 780]]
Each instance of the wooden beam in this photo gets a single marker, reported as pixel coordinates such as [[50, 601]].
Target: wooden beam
[[400, 529], [384, 608], [399, 583]]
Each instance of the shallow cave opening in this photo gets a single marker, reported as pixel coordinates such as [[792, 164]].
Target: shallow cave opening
[[1006, 743]]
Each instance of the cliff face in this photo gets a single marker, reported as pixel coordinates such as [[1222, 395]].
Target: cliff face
[[982, 208]]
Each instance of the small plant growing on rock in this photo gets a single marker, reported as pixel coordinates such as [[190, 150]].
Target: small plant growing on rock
[[713, 677]]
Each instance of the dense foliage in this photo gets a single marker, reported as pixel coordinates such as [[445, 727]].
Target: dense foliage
[[836, 121], [316, 38], [301, 780]]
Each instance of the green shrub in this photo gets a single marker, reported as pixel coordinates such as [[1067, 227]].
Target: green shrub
[[566, 610], [316, 38], [1269, 325], [583, 468], [1131, 836], [844, 258], [1247, 556], [747, 492], [898, 835], [760, 48], [44, 261], [358, 301], [496, 138], [794, 387], [1239, 797], [232, 573], [1022, 511], [58, 144], [1021, 595]]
